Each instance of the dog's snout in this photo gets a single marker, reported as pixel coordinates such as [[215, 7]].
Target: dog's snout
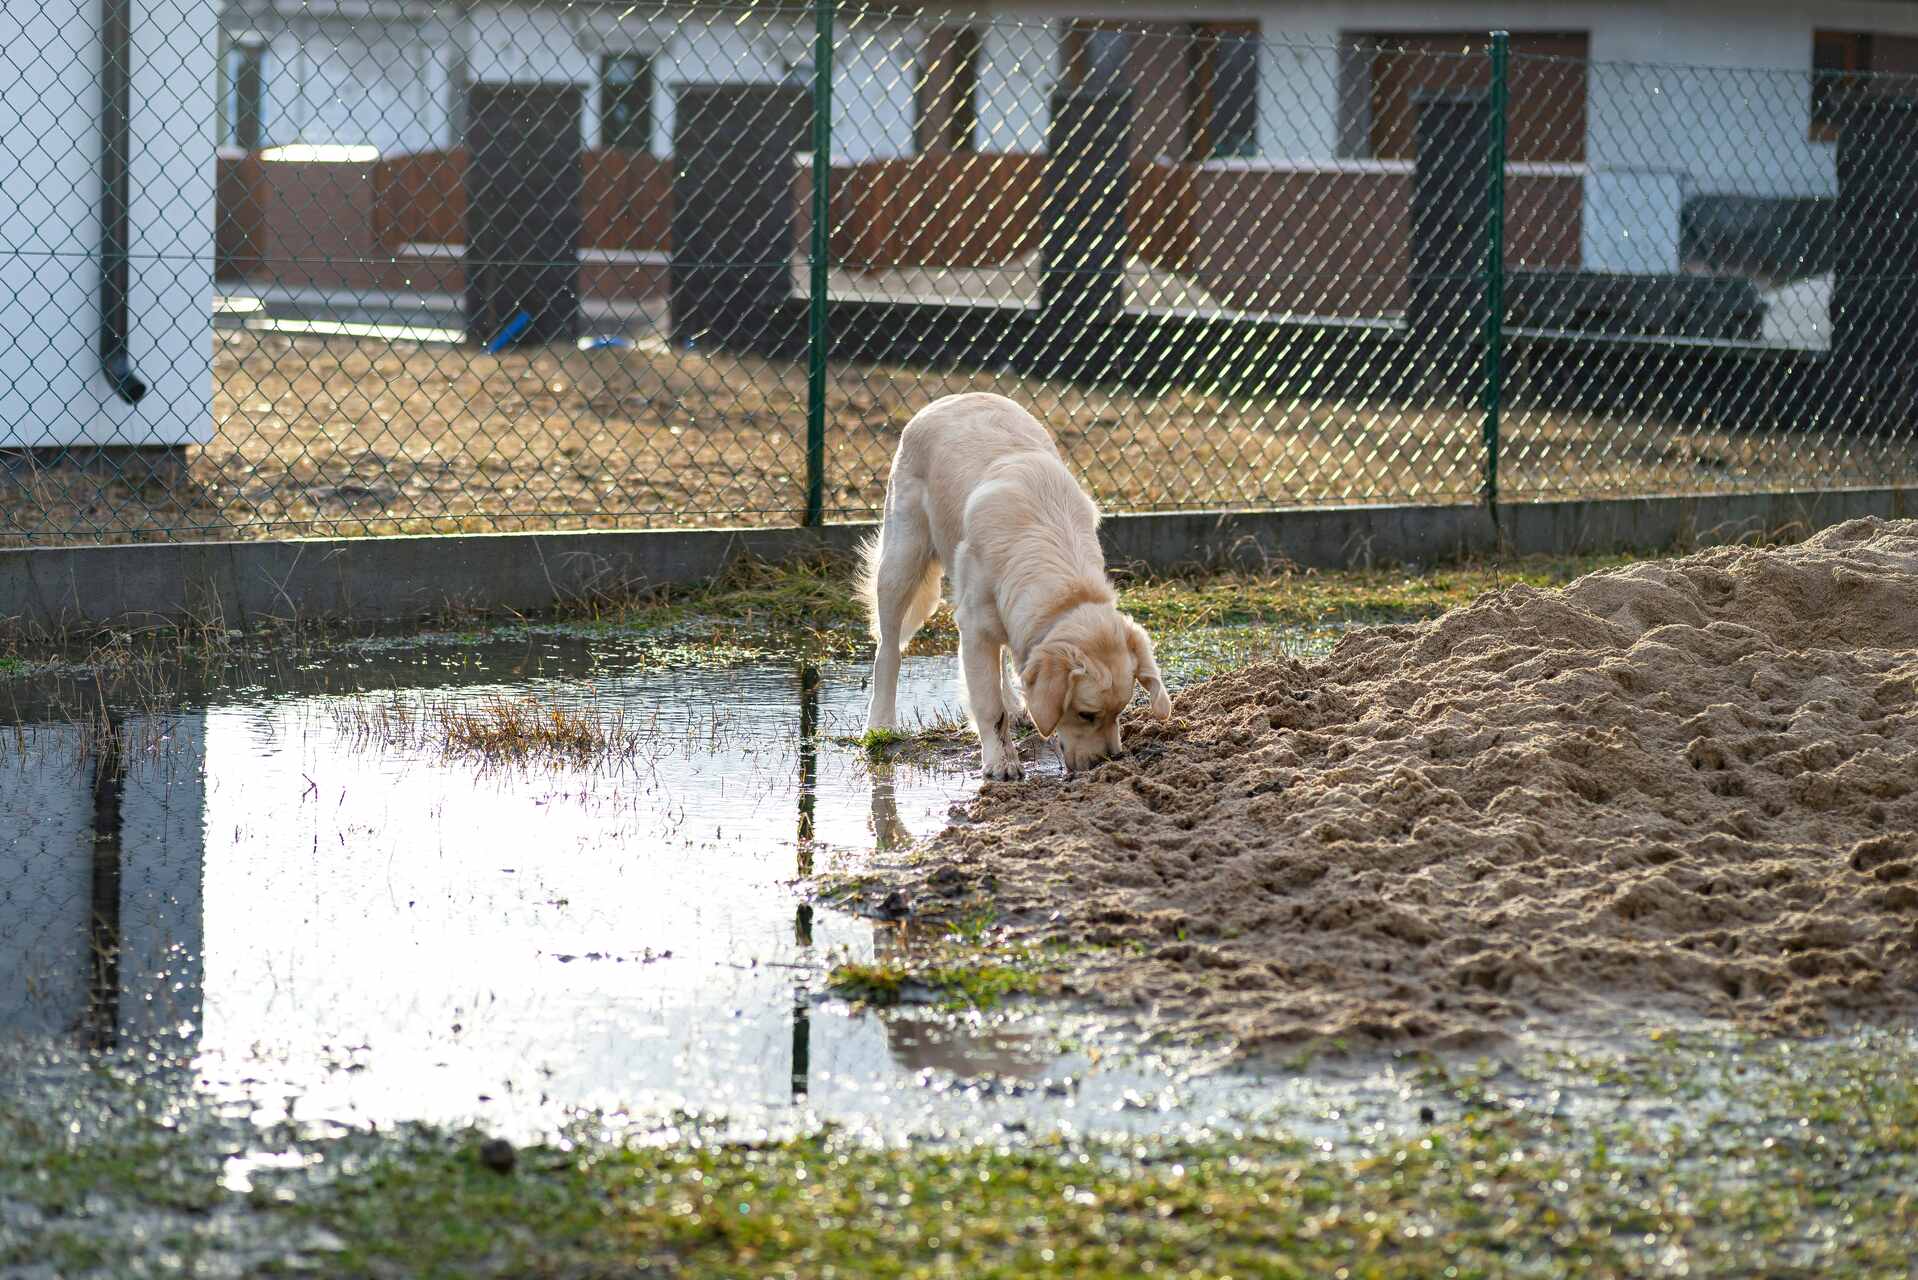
[[1079, 762]]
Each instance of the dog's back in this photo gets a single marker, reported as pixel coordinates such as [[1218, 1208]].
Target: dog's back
[[953, 449], [951, 442]]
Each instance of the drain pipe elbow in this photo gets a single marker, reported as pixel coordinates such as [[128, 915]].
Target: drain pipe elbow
[[122, 376]]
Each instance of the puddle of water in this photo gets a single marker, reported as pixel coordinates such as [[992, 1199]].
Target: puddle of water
[[314, 923]]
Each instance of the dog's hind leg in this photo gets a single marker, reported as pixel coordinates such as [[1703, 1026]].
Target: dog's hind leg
[[900, 582]]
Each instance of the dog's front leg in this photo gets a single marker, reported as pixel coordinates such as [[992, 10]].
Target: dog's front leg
[[980, 661]]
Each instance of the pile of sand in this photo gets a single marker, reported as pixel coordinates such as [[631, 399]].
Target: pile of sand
[[1687, 787]]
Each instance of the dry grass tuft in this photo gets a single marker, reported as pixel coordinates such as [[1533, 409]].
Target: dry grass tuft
[[502, 730]]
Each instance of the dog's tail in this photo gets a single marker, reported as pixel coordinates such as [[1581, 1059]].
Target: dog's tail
[[869, 552]]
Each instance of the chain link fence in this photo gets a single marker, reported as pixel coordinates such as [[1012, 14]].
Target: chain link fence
[[278, 269]]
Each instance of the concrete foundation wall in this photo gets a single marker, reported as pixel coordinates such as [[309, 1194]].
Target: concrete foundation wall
[[370, 580]]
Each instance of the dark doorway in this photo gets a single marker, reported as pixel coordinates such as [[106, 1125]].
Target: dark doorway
[[523, 216], [733, 207]]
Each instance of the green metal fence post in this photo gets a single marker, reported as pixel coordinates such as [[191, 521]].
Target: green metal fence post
[[1495, 269], [818, 336]]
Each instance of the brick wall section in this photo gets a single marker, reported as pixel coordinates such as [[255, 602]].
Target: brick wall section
[[238, 230], [629, 200], [421, 199], [1544, 216], [316, 225], [956, 209], [1332, 243], [943, 209], [846, 186], [1326, 242]]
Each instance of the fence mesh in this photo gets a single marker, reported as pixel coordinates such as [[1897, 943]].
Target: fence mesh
[[275, 269]]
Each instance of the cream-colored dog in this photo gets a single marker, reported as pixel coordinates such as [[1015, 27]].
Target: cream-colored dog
[[979, 492]]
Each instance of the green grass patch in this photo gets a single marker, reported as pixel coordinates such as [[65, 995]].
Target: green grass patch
[[977, 984], [923, 741], [878, 742], [1707, 1158], [1314, 598], [814, 600], [959, 960], [807, 601]]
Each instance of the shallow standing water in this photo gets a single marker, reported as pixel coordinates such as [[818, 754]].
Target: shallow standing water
[[273, 907]]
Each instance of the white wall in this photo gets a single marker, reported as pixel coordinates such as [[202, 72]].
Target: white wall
[[516, 44], [875, 76], [1736, 129], [388, 83], [51, 389], [1630, 222], [358, 83]]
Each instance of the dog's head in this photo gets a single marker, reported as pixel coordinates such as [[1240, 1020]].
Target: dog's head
[[1080, 678]]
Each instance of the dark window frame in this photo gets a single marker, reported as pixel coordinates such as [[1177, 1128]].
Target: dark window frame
[[1223, 113], [946, 106], [1840, 61], [632, 131], [246, 96]]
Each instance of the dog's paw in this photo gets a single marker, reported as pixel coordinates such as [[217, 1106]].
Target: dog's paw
[[1006, 770]]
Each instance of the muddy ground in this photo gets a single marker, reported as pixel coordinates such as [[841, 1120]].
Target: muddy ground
[[1682, 788], [350, 436]]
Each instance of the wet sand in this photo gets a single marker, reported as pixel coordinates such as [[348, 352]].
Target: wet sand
[[1684, 788]]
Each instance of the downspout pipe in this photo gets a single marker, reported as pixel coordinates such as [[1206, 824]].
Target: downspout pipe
[[116, 147]]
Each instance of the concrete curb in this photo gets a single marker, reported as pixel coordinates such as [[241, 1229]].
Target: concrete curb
[[243, 584]]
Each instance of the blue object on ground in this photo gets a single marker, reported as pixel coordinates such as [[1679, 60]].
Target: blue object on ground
[[514, 327], [605, 340]]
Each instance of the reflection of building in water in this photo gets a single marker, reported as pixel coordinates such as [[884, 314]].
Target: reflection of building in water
[[101, 916]]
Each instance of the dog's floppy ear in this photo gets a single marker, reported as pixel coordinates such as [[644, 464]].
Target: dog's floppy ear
[[1147, 670], [1048, 678]]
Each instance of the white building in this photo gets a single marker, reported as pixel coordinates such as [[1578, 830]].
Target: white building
[[1654, 104], [385, 73]]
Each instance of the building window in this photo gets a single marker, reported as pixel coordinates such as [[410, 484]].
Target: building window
[[1223, 116], [1839, 61], [626, 101], [243, 101], [1194, 85], [948, 99], [1103, 56], [1385, 75]]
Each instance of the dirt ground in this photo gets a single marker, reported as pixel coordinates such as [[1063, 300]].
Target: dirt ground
[[1682, 788], [349, 436]]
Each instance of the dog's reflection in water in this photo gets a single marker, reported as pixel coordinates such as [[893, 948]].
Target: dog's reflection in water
[[888, 832], [947, 1046], [937, 1041]]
